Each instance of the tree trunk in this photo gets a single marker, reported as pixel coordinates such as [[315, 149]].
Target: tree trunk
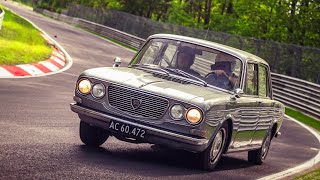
[[207, 10]]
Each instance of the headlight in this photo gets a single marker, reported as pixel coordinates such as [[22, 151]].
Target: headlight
[[98, 90], [194, 116], [177, 111], [84, 86]]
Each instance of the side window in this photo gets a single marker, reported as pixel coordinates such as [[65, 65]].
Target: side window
[[251, 86], [263, 81]]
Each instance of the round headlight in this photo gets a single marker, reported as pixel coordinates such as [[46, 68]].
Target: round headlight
[[177, 111], [194, 116], [98, 90], [84, 86]]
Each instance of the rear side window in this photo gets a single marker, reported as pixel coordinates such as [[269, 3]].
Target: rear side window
[[251, 85], [263, 81]]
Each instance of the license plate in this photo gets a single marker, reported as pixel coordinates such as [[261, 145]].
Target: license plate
[[127, 129]]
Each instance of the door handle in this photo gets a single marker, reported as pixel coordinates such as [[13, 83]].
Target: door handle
[[259, 102]]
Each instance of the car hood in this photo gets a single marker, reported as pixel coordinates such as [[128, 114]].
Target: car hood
[[136, 78]]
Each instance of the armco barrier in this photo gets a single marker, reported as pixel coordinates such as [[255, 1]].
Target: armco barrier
[[1, 17], [298, 94]]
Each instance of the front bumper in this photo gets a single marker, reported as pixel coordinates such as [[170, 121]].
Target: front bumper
[[155, 135]]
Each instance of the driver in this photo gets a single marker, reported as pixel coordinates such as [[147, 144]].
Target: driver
[[222, 70], [185, 59]]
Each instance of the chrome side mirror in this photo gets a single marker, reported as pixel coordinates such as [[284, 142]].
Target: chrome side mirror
[[116, 62], [237, 94]]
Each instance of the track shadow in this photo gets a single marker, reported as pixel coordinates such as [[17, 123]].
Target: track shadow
[[154, 161]]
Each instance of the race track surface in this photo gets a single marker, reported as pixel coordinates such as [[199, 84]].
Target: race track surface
[[39, 133]]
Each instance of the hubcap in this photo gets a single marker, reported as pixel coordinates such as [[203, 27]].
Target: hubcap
[[216, 146]]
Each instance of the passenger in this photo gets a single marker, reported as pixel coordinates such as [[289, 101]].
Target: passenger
[[185, 59], [222, 74]]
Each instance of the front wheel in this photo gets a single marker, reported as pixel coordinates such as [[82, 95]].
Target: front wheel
[[259, 155], [211, 156], [92, 136]]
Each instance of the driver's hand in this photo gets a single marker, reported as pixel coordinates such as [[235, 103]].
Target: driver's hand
[[220, 72]]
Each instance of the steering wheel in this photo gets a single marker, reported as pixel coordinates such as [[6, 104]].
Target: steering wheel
[[221, 81]]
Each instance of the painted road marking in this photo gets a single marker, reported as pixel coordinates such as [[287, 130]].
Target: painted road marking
[[5, 73]]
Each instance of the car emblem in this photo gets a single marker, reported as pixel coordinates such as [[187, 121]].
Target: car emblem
[[135, 103]]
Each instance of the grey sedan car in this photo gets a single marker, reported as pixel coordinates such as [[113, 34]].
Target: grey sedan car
[[182, 93]]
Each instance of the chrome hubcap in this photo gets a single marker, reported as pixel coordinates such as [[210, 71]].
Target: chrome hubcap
[[216, 146]]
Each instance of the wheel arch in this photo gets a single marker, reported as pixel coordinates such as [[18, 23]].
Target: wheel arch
[[229, 123], [274, 130]]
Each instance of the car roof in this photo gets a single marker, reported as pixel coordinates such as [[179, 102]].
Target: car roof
[[227, 49]]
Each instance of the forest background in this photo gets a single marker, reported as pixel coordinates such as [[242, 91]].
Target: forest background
[[284, 32], [288, 21]]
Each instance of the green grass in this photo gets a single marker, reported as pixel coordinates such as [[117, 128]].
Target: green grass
[[303, 118], [20, 42], [311, 175]]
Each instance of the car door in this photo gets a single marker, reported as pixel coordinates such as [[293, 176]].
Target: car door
[[249, 108], [265, 103]]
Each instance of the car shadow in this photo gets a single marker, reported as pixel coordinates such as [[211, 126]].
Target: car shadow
[[153, 161]]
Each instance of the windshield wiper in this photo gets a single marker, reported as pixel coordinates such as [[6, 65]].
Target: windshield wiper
[[150, 67], [187, 75]]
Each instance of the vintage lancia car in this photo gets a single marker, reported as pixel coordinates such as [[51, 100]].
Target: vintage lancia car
[[182, 93]]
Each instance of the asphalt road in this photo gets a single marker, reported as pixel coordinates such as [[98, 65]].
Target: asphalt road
[[39, 133]]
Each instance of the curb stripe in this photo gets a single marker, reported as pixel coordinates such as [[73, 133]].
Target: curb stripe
[[62, 63], [30, 69], [42, 68], [58, 55], [55, 63], [50, 66], [16, 71], [5, 73]]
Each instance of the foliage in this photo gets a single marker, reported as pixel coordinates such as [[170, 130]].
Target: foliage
[[289, 21], [20, 42]]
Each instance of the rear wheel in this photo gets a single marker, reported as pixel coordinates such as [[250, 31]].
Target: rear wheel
[[211, 156], [259, 155], [92, 136]]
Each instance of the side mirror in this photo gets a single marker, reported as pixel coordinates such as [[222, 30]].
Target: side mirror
[[116, 62], [238, 93]]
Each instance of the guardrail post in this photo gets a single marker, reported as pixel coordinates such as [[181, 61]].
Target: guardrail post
[[1, 17]]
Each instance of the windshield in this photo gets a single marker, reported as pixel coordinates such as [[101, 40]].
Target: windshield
[[198, 63]]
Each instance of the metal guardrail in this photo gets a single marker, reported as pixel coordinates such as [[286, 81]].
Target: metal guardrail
[[296, 93], [1, 17]]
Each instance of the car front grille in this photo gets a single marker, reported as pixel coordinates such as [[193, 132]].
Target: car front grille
[[125, 100]]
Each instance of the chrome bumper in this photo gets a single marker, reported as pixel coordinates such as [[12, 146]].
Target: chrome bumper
[[156, 136]]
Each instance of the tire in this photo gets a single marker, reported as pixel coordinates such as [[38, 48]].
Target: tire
[[92, 136], [211, 156], [259, 155]]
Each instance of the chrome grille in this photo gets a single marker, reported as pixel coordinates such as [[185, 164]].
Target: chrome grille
[[152, 107]]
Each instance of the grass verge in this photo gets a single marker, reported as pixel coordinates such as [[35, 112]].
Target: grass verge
[[20, 42], [311, 175], [303, 118]]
